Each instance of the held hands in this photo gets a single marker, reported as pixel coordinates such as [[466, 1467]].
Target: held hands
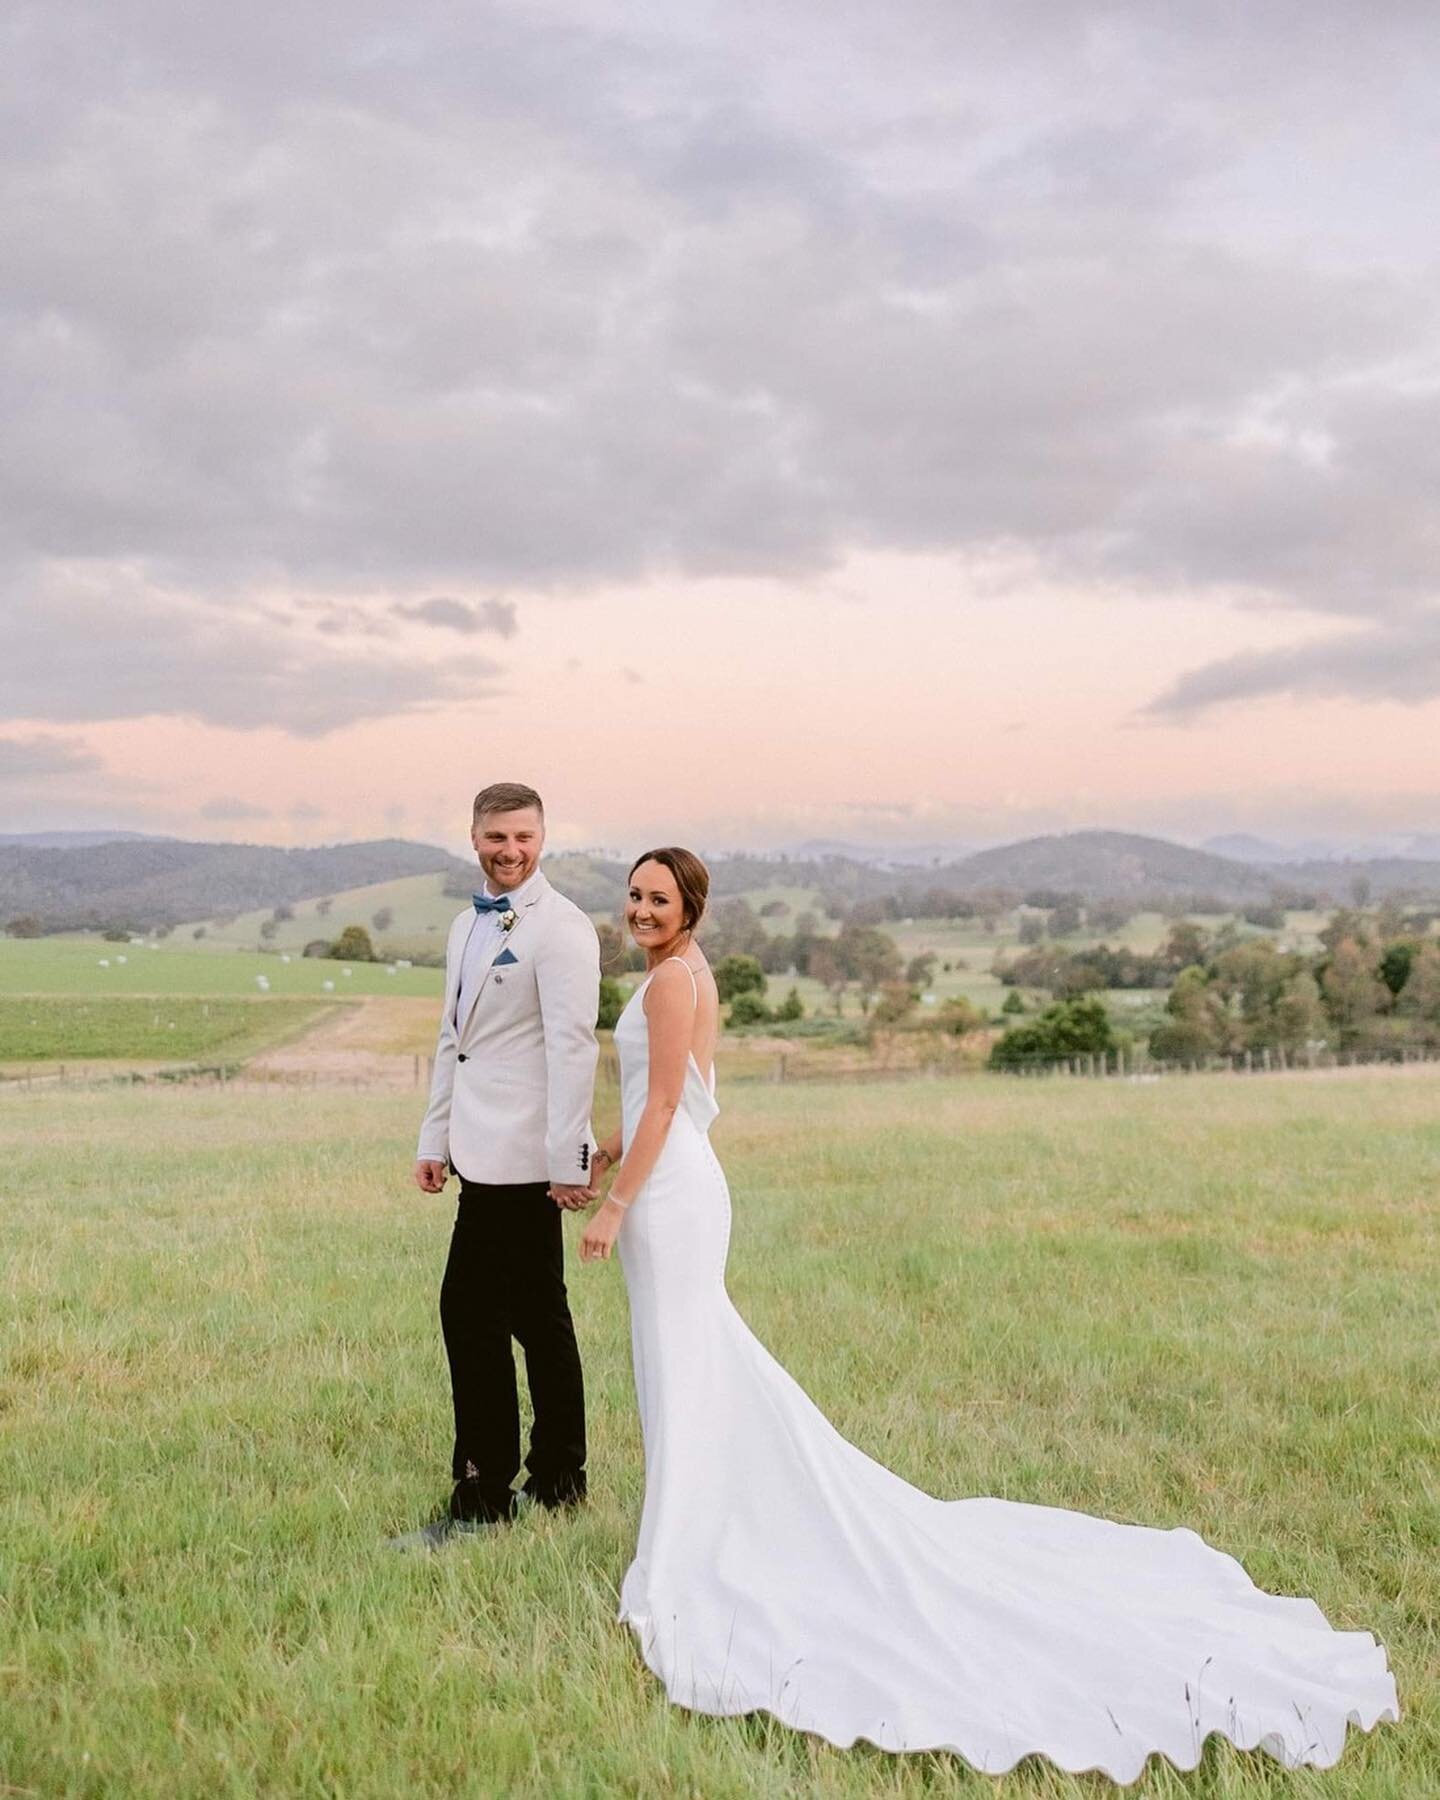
[[430, 1174], [570, 1198]]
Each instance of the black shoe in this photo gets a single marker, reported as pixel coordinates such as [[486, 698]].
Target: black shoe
[[470, 1504], [567, 1490]]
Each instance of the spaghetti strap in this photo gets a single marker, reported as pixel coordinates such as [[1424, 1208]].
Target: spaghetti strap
[[694, 984]]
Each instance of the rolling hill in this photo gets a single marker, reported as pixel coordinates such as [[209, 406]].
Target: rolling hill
[[159, 881]]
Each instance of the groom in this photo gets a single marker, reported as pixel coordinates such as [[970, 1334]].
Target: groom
[[509, 1113]]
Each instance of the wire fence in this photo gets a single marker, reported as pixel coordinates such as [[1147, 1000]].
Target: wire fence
[[413, 1073]]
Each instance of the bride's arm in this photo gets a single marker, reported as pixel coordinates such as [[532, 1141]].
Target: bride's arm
[[670, 1014]]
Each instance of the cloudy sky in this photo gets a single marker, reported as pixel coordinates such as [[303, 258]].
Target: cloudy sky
[[922, 423]]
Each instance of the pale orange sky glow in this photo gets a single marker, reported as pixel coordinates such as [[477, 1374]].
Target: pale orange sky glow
[[896, 701]]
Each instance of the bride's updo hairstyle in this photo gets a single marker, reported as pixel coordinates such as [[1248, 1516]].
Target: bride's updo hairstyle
[[691, 877]]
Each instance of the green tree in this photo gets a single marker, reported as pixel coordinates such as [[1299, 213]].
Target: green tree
[[869, 957], [1250, 978], [1187, 943], [738, 974], [353, 945], [1196, 1023], [1108, 915], [1342, 924], [1299, 1012], [920, 970], [1420, 998], [824, 965], [790, 1008], [1014, 1002], [1353, 992], [748, 1008], [1064, 919], [1396, 961], [612, 1003], [732, 926], [383, 918]]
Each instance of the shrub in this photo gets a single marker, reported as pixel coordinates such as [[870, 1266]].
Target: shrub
[[1073, 1028], [748, 1008], [790, 1008], [738, 974], [353, 945]]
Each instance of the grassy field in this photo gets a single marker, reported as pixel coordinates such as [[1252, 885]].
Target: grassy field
[[421, 914], [90, 966], [65, 1028], [1202, 1302]]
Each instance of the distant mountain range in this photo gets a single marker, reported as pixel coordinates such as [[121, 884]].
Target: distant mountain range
[[143, 882], [1412, 846]]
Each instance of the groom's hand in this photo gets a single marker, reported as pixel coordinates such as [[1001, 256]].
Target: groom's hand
[[570, 1198], [430, 1174]]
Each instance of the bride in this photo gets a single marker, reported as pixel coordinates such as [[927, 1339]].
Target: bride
[[779, 1569]]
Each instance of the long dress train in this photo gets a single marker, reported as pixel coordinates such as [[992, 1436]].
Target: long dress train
[[780, 1569]]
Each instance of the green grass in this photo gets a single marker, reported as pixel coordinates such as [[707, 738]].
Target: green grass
[[90, 966], [65, 1028], [1203, 1302]]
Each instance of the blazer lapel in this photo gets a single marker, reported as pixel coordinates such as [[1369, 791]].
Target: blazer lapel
[[523, 911]]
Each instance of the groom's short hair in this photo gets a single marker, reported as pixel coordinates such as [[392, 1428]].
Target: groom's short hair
[[505, 796]]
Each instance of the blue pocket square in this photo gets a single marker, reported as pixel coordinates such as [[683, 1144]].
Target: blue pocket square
[[506, 956]]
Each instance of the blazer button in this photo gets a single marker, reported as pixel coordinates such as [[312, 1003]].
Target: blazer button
[[460, 1057]]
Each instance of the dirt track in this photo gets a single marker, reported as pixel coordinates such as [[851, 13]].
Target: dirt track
[[373, 1042]]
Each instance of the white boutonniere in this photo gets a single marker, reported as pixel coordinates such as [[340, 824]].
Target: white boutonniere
[[508, 918]]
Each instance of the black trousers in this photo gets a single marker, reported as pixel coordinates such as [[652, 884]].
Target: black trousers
[[504, 1280]]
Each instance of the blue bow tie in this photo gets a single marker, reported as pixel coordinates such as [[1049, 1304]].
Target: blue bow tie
[[484, 904]]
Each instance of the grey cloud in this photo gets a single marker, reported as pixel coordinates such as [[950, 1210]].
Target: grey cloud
[[464, 616], [128, 653], [575, 292], [1388, 662], [44, 757]]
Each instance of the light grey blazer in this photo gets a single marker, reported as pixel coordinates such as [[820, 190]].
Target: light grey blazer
[[514, 1080]]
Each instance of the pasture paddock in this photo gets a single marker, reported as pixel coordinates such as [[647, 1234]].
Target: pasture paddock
[[1207, 1302]]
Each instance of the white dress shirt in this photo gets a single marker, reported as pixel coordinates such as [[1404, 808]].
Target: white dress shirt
[[485, 943]]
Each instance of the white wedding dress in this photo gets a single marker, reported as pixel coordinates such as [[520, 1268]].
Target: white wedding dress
[[779, 1569]]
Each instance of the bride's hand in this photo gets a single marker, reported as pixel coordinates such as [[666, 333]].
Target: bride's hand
[[601, 1232]]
